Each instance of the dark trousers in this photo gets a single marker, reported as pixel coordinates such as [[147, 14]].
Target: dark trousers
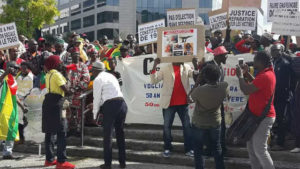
[[281, 121], [199, 137], [114, 115], [61, 146], [208, 150], [223, 130], [169, 115], [21, 132], [298, 141]]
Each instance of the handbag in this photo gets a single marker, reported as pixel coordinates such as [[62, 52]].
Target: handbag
[[246, 125], [99, 118]]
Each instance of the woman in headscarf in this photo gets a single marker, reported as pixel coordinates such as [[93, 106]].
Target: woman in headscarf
[[78, 80], [53, 118]]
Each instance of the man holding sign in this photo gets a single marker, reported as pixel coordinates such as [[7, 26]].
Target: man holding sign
[[174, 99]]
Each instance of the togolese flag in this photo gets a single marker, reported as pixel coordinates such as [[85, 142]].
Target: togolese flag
[[9, 110]]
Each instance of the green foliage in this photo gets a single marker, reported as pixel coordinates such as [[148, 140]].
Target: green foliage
[[29, 14]]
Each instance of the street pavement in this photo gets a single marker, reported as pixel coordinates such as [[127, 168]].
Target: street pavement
[[31, 161]]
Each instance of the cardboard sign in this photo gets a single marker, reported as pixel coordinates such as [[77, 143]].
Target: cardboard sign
[[242, 18], [286, 24], [148, 31], [277, 6], [218, 22], [180, 17], [241, 3], [8, 36], [180, 44]]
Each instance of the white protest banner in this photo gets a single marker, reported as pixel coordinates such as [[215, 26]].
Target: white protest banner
[[218, 22], [237, 102], [277, 6], [241, 18], [286, 24], [143, 98], [148, 31], [8, 36], [179, 17]]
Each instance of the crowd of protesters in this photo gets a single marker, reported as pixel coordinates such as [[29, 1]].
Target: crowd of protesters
[[68, 69]]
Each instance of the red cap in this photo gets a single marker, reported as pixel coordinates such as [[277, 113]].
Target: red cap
[[220, 51]]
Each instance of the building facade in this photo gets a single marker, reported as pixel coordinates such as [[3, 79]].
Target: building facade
[[115, 18]]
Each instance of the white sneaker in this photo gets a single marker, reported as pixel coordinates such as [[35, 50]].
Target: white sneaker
[[295, 150], [167, 153]]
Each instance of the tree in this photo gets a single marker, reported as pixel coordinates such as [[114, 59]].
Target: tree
[[29, 14]]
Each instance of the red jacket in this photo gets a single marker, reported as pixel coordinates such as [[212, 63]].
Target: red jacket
[[241, 47]]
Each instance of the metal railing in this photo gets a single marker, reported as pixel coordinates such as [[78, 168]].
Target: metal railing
[[82, 99]]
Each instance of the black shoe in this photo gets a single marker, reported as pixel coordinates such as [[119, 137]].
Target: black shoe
[[123, 165], [103, 166], [10, 157]]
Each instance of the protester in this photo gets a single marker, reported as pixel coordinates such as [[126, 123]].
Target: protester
[[176, 87], [108, 95], [220, 57], [34, 58], [206, 121], [124, 52], [53, 118], [295, 125], [112, 64], [48, 51], [139, 50], [93, 57], [13, 57], [60, 50], [25, 85], [285, 86], [267, 40], [9, 117], [79, 79], [261, 89]]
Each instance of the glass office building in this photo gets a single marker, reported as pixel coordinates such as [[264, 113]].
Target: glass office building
[[96, 18]]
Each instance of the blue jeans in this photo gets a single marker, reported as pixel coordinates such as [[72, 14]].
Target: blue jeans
[[199, 136], [169, 115]]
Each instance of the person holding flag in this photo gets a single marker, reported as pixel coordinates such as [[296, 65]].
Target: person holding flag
[[8, 110]]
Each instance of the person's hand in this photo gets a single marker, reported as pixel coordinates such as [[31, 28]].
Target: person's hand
[[25, 110], [239, 72], [245, 68], [157, 61], [90, 106], [250, 39], [189, 100]]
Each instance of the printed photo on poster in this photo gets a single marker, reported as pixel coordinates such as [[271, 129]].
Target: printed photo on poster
[[179, 42]]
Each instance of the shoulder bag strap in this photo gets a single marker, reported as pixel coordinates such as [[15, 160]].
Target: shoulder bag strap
[[268, 107], [49, 82]]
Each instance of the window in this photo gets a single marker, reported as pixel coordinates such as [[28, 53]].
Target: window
[[108, 17], [88, 3], [150, 10], [205, 4], [205, 18], [89, 21], [53, 31], [90, 35], [112, 2], [101, 3], [110, 33], [66, 28], [76, 24], [88, 9], [61, 2], [75, 9]]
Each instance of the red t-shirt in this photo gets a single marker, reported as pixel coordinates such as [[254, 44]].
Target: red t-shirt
[[179, 96], [265, 81]]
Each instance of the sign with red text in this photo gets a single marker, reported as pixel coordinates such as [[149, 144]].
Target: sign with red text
[[148, 31], [180, 17], [8, 36], [242, 18]]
